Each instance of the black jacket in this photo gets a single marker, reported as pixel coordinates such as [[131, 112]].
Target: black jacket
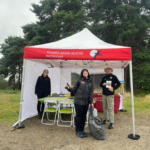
[[115, 84], [83, 90], [43, 85]]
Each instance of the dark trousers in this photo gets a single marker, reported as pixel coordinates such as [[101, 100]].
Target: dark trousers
[[40, 106], [81, 111]]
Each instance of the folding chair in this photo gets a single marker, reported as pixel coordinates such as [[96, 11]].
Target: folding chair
[[48, 110], [65, 111], [87, 117]]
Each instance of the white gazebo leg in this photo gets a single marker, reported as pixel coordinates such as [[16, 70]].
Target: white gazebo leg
[[132, 136], [60, 81], [20, 126], [123, 110]]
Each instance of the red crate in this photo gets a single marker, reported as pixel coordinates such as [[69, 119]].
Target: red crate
[[116, 103], [99, 103]]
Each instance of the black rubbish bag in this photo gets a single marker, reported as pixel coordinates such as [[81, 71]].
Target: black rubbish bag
[[96, 126]]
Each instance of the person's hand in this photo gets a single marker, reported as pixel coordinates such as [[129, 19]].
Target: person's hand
[[48, 95], [104, 84], [67, 86], [92, 104], [111, 89], [35, 94]]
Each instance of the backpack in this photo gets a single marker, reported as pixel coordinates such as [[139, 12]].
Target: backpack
[[96, 126]]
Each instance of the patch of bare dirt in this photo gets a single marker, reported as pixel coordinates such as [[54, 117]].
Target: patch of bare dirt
[[36, 136]]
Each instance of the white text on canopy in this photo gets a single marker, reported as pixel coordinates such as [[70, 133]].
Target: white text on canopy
[[64, 53]]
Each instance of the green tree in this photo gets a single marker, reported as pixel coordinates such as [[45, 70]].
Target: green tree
[[3, 83], [142, 69], [57, 19], [120, 22], [29, 32], [11, 62], [72, 16], [42, 32], [123, 22]]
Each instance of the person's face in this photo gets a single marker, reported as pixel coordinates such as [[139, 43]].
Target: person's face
[[108, 70], [45, 73], [85, 73]]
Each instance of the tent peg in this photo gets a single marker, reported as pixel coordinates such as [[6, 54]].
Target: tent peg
[[19, 126]]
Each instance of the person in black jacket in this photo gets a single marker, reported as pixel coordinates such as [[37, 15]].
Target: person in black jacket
[[109, 83], [83, 90], [42, 89]]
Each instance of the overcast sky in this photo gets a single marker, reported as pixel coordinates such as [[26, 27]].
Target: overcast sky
[[13, 15]]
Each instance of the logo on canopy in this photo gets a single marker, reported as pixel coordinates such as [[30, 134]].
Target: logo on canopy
[[95, 53]]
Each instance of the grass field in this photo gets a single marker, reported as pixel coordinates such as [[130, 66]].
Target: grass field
[[10, 103], [9, 106], [141, 105]]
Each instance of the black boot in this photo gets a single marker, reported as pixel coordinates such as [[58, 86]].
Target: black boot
[[111, 126], [39, 115], [105, 121]]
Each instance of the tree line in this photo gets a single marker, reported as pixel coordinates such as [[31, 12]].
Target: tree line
[[119, 22]]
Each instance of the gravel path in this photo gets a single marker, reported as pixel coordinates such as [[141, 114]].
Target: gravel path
[[36, 136]]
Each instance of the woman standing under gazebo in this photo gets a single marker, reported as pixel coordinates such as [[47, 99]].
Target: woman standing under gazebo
[[83, 90], [42, 89]]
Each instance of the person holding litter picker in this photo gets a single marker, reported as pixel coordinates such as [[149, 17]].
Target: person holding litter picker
[[83, 90], [42, 89]]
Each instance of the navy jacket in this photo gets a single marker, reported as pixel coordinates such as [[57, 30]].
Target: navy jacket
[[115, 84], [43, 85]]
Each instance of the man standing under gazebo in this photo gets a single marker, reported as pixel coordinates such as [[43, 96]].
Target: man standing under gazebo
[[109, 83]]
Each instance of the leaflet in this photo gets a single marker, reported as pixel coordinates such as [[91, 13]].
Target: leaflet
[[108, 84]]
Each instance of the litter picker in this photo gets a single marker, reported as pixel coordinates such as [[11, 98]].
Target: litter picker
[[49, 65]]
